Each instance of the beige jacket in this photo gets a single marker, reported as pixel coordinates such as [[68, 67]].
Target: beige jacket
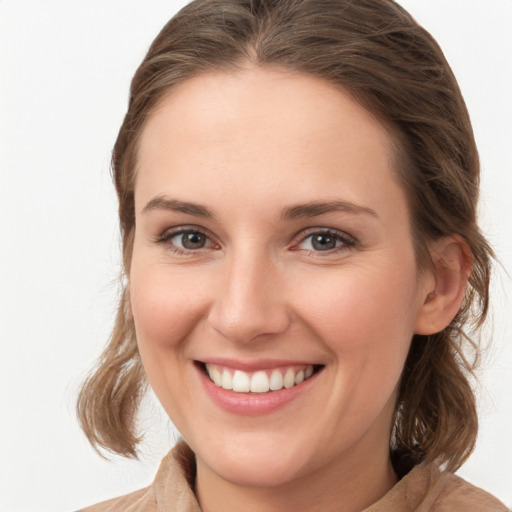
[[424, 489]]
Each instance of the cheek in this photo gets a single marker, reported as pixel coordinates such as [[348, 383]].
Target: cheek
[[364, 313], [164, 309]]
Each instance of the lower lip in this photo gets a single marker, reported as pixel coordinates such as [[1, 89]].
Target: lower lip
[[253, 404]]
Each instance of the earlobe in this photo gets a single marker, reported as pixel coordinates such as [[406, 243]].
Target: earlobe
[[452, 263]]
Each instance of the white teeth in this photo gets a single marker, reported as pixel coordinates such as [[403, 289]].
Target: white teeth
[[216, 376], [276, 380], [289, 378], [259, 382], [227, 380], [241, 382]]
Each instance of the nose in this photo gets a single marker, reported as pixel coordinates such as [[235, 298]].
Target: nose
[[249, 303]]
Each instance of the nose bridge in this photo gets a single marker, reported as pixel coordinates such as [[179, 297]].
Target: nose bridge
[[249, 302]]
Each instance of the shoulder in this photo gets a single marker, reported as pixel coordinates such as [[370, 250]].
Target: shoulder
[[172, 489], [142, 499], [435, 490], [458, 494], [428, 489]]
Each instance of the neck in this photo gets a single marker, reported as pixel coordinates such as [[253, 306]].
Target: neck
[[344, 486]]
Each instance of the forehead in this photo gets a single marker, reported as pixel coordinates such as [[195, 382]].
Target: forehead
[[275, 97], [265, 130]]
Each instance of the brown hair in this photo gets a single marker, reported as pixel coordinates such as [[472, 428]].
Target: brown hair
[[393, 67]]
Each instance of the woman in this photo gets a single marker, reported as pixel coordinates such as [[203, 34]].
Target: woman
[[297, 184]]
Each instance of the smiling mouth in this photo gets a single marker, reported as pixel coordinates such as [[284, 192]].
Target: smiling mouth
[[261, 381]]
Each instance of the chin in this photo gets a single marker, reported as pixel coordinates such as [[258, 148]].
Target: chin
[[257, 472], [258, 463]]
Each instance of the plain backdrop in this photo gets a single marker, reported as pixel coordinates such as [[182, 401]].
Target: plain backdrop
[[65, 67]]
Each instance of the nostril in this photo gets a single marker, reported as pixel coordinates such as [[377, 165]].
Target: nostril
[[245, 315]]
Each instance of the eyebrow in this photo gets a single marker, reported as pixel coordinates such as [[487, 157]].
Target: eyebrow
[[174, 205], [317, 208], [311, 209]]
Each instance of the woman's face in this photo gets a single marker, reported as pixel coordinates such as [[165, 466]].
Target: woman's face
[[272, 241]]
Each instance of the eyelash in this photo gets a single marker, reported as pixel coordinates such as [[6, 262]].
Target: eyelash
[[346, 240], [166, 237]]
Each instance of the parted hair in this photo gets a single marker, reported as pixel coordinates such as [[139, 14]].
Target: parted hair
[[377, 52]]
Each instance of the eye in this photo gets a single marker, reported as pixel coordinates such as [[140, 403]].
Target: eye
[[325, 241], [185, 241], [190, 240]]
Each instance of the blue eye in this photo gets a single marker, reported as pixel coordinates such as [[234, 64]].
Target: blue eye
[[324, 241]]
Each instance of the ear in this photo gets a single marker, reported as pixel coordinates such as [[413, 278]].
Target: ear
[[445, 285]]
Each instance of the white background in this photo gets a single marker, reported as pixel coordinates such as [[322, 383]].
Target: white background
[[65, 67]]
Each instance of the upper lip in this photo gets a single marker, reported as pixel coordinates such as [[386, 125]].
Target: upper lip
[[254, 365]]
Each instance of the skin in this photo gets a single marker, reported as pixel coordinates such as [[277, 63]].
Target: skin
[[247, 147]]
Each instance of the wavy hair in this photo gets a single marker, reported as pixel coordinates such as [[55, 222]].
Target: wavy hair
[[394, 68]]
